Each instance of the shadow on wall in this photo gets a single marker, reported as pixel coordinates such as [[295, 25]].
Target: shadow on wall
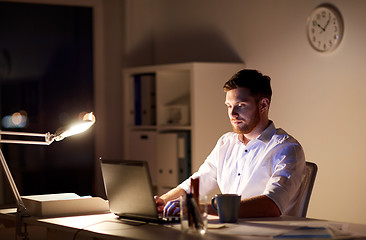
[[196, 46]]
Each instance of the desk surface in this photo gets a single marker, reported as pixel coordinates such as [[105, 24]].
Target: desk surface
[[107, 226]]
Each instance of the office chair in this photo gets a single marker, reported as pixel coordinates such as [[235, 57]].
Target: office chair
[[301, 207]]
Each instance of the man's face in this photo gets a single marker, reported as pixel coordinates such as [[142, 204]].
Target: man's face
[[243, 110]]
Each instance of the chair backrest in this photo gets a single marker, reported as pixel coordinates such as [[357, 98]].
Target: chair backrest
[[306, 188]]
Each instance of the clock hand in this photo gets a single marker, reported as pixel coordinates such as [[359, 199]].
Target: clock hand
[[317, 24], [326, 25], [321, 27]]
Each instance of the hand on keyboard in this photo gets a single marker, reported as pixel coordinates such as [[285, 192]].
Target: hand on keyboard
[[172, 208]]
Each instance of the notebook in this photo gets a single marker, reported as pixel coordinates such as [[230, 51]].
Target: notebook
[[129, 191]]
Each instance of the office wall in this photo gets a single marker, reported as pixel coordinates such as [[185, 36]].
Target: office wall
[[108, 24], [318, 98]]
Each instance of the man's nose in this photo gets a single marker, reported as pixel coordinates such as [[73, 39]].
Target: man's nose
[[233, 112]]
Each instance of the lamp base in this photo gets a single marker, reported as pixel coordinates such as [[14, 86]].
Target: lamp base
[[64, 204]]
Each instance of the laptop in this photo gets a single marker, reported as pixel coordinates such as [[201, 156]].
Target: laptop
[[129, 191]]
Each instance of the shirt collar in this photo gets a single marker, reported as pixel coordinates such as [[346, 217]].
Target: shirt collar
[[265, 136], [268, 133]]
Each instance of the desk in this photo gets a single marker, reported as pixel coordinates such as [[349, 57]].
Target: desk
[[107, 226]]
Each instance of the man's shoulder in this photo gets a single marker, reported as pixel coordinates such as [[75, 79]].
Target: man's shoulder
[[283, 144], [282, 140], [282, 136]]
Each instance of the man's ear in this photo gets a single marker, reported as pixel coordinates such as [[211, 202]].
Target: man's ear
[[264, 104]]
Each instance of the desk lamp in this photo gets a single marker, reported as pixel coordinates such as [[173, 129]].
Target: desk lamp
[[48, 138]]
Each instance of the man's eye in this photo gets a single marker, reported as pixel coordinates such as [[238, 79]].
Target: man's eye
[[241, 105]]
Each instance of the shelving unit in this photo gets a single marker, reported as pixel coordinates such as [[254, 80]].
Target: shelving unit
[[188, 99]]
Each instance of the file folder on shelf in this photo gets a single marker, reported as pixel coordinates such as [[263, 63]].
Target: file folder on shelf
[[173, 158], [144, 99]]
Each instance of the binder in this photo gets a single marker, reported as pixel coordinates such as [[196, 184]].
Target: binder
[[144, 99], [144, 148], [173, 158], [137, 99], [184, 155], [166, 157], [148, 99]]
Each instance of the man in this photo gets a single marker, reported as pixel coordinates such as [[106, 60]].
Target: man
[[263, 164]]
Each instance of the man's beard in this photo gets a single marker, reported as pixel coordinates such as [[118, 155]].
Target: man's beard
[[248, 127]]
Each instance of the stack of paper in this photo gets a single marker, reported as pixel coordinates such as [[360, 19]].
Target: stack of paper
[[64, 204]]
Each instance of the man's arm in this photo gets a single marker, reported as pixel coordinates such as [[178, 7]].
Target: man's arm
[[259, 206]]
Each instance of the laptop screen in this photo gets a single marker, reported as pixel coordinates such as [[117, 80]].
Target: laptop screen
[[128, 188]]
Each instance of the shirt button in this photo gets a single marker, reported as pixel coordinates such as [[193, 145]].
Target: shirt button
[[246, 150], [238, 174]]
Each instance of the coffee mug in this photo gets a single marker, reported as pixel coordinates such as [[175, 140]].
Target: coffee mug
[[227, 206]]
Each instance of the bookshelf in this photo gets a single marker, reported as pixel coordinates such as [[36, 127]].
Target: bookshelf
[[174, 119]]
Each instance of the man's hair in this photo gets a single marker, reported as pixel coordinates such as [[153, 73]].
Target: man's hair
[[258, 84]]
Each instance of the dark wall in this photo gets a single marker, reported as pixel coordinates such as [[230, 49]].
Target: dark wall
[[47, 71]]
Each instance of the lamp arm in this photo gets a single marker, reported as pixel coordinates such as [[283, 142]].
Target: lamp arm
[[14, 189], [21, 209], [48, 138]]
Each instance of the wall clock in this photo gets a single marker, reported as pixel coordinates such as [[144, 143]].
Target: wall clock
[[325, 28]]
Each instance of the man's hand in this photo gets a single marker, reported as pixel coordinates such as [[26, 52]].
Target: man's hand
[[172, 208], [169, 202], [160, 203]]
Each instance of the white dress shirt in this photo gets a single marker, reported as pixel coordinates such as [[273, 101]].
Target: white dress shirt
[[273, 164]]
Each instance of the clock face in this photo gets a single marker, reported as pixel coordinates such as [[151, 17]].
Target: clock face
[[325, 28]]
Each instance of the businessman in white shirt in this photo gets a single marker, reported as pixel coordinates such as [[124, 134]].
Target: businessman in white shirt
[[263, 164]]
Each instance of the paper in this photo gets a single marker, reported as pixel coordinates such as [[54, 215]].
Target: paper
[[65, 204], [215, 226], [253, 229], [306, 232]]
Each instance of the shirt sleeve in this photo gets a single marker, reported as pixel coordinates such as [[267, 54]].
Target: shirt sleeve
[[207, 173], [288, 172]]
